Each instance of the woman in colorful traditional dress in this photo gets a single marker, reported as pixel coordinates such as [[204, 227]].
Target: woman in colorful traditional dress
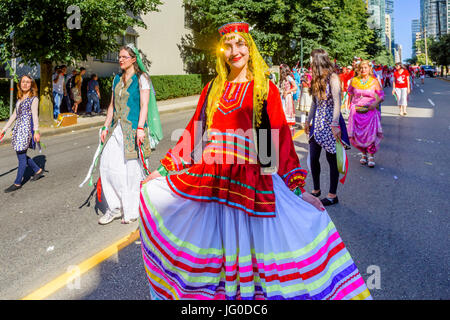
[[364, 122], [325, 124], [227, 223], [288, 88], [126, 129], [26, 129]]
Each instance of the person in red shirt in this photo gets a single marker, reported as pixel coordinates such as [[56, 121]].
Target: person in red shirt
[[422, 75], [346, 75], [402, 87]]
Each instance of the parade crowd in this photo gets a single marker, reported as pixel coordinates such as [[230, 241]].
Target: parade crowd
[[236, 226]]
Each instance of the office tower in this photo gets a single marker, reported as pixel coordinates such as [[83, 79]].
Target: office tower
[[389, 8], [388, 31], [434, 17], [377, 19], [415, 29]]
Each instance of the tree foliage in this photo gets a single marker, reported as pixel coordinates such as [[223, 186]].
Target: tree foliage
[[37, 31], [339, 26], [439, 51]]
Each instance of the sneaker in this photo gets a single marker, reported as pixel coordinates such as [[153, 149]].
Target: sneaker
[[109, 216], [12, 188]]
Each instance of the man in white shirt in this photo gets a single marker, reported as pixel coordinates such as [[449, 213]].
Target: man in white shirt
[[58, 90]]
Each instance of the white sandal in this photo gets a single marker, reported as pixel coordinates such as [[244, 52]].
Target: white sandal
[[371, 162], [363, 159]]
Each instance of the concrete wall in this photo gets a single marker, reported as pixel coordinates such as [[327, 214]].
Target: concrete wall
[[159, 41]]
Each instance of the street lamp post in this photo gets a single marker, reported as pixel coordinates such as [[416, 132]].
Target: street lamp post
[[301, 54]]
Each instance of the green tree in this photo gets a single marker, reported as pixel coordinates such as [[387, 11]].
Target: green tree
[[439, 52], [45, 32], [339, 26]]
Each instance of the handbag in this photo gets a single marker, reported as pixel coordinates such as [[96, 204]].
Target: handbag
[[342, 160], [362, 109]]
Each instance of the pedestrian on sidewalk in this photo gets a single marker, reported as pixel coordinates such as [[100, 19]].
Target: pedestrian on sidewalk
[[215, 227], [58, 90], [288, 87], [402, 87], [325, 124], [68, 97], [76, 89], [93, 96], [26, 129], [126, 129], [305, 98], [364, 121]]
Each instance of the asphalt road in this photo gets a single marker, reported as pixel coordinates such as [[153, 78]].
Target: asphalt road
[[394, 219]]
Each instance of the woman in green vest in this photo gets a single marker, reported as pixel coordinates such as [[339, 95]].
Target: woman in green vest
[[125, 135]]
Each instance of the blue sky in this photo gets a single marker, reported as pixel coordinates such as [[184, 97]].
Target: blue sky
[[404, 12]]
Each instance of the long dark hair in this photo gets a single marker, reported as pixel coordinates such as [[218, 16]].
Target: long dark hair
[[322, 68]]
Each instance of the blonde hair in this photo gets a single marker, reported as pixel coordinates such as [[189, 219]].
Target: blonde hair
[[257, 71], [368, 63]]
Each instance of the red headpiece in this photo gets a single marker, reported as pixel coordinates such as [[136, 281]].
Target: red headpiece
[[234, 27]]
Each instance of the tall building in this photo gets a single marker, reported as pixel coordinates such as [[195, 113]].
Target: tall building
[[389, 8], [388, 31], [398, 53], [377, 19], [415, 29], [435, 17]]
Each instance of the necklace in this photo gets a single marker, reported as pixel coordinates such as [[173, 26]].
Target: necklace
[[364, 82]]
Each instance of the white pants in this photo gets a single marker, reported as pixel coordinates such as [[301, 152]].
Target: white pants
[[402, 96], [120, 177]]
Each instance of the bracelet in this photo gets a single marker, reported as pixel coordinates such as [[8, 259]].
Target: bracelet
[[104, 128], [163, 171], [36, 131], [140, 128]]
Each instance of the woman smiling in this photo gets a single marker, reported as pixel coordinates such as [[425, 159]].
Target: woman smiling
[[364, 122], [227, 222]]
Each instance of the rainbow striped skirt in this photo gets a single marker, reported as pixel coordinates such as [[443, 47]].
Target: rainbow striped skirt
[[207, 250]]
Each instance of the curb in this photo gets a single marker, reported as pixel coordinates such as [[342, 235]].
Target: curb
[[99, 123]]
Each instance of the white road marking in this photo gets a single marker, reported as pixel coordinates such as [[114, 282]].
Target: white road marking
[[431, 102], [421, 90]]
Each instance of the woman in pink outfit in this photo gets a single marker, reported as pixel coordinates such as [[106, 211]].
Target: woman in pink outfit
[[364, 122]]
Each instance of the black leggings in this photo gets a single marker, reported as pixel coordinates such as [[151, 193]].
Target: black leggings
[[314, 153]]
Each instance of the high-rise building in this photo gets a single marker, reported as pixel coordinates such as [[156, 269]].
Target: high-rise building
[[435, 17], [389, 8], [398, 53], [388, 31], [377, 19], [415, 29]]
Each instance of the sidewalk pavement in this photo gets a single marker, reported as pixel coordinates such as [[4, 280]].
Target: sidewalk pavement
[[86, 122]]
